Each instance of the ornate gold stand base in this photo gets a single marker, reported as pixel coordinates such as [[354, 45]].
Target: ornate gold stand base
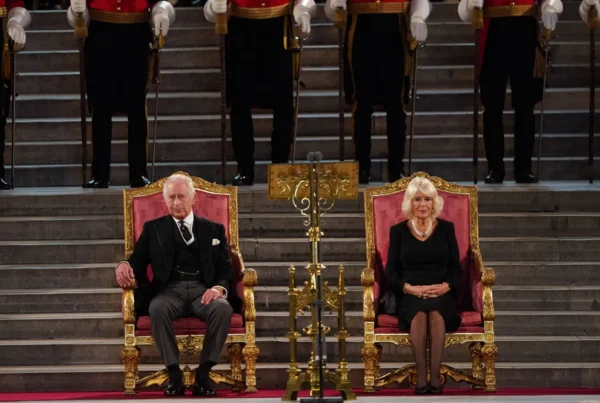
[[297, 379], [410, 372], [160, 378]]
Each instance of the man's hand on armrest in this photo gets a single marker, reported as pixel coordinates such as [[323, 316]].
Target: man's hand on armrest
[[124, 274]]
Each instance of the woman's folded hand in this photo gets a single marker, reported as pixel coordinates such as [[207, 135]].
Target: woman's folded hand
[[435, 290]]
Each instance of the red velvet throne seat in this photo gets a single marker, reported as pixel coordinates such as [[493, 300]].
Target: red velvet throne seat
[[219, 204], [383, 209]]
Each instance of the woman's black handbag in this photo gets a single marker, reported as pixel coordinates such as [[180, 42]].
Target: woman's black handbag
[[389, 303]]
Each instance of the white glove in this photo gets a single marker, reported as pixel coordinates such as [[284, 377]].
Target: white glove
[[16, 33], [218, 6], [418, 29], [335, 4], [550, 18], [78, 6], [163, 15], [161, 24], [585, 6], [18, 19], [473, 4], [303, 11]]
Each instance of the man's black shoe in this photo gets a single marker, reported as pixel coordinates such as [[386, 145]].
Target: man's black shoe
[[203, 387], [175, 390]]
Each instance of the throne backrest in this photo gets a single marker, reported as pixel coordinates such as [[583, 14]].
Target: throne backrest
[[383, 209], [213, 202]]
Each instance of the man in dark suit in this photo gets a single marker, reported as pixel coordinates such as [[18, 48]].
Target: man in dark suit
[[191, 264]]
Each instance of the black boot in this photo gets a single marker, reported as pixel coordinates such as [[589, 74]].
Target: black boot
[[525, 177], [97, 184], [4, 185], [244, 177], [494, 177], [364, 176], [395, 175], [139, 182]]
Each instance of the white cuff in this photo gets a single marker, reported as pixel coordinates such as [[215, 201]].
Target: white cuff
[[20, 15], [72, 17], [552, 6], [224, 290], [420, 9]]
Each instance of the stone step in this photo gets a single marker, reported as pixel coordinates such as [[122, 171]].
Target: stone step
[[110, 324], [275, 299], [274, 376], [547, 197], [567, 349], [287, 225], [458, 53], [289, 250], [309, 125], [455, 170], [313, 101], [209, 149], [314, 78], [202, 34], [519, 274]]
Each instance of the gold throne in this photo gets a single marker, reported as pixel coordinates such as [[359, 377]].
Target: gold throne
[[219, 204], [383, 210]]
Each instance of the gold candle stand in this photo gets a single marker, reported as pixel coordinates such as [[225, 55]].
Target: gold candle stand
[[314, 189]]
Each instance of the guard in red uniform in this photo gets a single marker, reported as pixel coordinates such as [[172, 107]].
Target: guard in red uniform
[[511, 47], [117, 49], [15, 18], [378, 38], [260, 72]]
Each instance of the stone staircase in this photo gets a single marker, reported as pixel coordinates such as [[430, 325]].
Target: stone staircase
[[61, 326], [48, 136]]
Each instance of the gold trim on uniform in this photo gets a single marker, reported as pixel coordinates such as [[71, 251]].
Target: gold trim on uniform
[[508, 11], [378, 8], [260, 13], [120, 18], [3, 12]]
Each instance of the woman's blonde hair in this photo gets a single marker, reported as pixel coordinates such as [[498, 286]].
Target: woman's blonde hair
[[426, 187]]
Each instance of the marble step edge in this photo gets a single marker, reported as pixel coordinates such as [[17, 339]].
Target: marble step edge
[[374, 161], [283, 366], [301, 115], [210, 70], [80, 266], [281, 339], [307, 139], [303, 93], [277, 289], [509, 187], [278, 215], [119, 315], [266, 240]]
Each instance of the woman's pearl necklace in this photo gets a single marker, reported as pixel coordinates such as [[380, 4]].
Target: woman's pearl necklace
[[422, 234]]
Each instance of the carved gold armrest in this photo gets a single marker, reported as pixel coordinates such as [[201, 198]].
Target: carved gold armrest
[[367, 279], [250, 281], [128, 305], [237, 258], [488, 278]]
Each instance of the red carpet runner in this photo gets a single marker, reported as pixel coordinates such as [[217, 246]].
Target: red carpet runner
[[225, 394]]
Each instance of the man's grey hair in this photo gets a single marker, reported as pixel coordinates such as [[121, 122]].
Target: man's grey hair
[[175, 178]]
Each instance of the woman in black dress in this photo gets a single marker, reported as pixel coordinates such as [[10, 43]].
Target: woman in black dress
[[423, 270]]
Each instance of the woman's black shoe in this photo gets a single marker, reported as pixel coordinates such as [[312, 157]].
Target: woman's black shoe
[[421, 390], [436, 390]]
